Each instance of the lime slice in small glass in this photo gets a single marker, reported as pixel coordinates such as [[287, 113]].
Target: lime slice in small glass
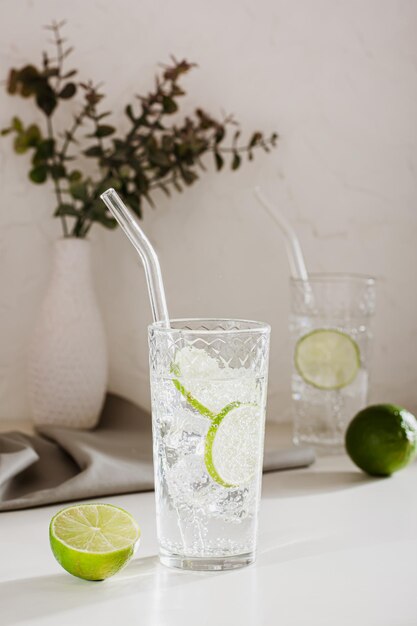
[[327, 359], [93, 541], [232, 449]]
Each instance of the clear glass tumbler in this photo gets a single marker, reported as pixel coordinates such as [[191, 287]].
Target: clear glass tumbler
[[330, 326], [208, 386]]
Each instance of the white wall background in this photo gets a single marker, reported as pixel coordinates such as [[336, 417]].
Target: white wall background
[[336, 79]]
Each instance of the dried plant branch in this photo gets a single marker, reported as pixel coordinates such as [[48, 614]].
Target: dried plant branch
[[153, 154]]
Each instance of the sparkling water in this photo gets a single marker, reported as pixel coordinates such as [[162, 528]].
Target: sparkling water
[[321, 416], [196, 516]]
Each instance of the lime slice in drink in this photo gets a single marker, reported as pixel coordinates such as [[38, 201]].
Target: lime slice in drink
[[93, 541], [327, 359], [232, 449]]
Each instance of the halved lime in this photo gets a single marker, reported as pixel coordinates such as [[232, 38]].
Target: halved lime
[[93, 541], [232, 445], [327, 358]]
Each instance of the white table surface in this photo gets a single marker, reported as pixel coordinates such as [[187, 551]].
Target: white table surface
[[335, 548]]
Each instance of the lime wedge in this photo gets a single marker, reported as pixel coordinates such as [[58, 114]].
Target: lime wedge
[[327, 358], [232, 445], [93, 541]]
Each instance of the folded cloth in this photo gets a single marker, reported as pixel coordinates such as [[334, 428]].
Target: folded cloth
[[62, 464]]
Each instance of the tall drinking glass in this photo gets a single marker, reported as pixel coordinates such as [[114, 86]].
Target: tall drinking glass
[[331, 336], [208, 386]]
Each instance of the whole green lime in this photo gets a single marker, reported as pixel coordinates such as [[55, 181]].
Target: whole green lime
[[382, 439]]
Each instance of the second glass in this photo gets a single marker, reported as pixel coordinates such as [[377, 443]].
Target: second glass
[[208, 385], [331, 337]]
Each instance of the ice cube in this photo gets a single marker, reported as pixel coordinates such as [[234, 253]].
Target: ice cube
[[188, 483], [195, 363]]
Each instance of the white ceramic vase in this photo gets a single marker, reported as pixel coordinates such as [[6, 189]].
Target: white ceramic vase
[[68, 355]]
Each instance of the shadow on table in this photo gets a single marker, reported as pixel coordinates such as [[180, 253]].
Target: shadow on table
[[290, 485], [37, 597]]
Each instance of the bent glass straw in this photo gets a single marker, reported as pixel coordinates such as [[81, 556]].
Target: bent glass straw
[[129, 223], [294, 252]]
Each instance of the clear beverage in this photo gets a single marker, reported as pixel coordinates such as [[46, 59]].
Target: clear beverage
[[338, 302], [208, 406]]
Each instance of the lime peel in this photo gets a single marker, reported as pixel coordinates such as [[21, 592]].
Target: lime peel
[[210, 437], [382, 439], [200, 408]]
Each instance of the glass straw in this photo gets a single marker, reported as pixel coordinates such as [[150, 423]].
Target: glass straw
[[294, 252], [131, 227]]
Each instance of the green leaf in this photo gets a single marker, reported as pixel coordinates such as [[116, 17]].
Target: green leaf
[[25, 81], [111, 181], [129, 113], [66, 209], [177, 185], [29, 138], [5, 131], [236, 161], [125, 170], [99, 213], [102, 115], [169, 105], [38, 174], [93, 151], [44, 150], [159, 157], [218, 160], [141, 182], [107, 221], [74, 176], [165, 189], [70, 74], [219, 134], [188, 176], [17, 124], [46, 100], [68, 91], [255, 139], [175, 71], [177, 91], [149, 199], [28, 74], [20, 144], [33, 136], [79, 191], [104, 131], [134, 201]]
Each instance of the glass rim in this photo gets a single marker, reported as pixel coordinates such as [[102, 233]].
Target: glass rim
[[317, 277], [253, 326]]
